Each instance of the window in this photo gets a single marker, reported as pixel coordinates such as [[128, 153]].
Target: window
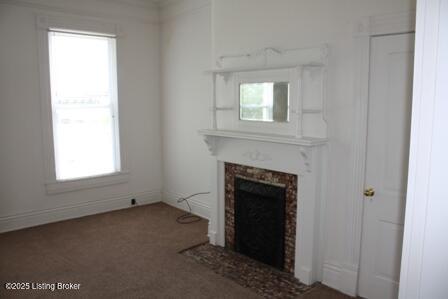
[[84, 104], [267, 101]]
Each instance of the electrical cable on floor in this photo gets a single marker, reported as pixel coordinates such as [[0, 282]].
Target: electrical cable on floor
[[188, 218]]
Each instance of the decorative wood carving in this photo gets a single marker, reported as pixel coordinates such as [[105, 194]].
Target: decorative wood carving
[[256, 155], [306, 155], [211, 143]]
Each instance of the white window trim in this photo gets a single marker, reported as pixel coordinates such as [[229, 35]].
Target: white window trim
[[52, 185], [56, 187]]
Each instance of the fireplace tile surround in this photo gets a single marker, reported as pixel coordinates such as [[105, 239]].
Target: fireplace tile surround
[[303, 158], [289, 181]]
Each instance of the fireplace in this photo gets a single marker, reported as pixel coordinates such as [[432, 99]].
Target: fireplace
[[260, 214], [260, 221], [299, 164]]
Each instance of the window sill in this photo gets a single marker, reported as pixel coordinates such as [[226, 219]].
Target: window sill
[[56, 187]]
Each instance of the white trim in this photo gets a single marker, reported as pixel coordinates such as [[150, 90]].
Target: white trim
[[304, 161], [43, 24], [164, 3], [33, 218], [339, 278], [55, 187], [331, 275], [365, 29], [290, 76], [424, 191], [176, 8], [145, 4], [386, 24], [198, 208], [139, 15], [274, 138], [301, 67]]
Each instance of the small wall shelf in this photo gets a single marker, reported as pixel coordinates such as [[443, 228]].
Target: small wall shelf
[[304, 141], [261, 68], [307, 74]]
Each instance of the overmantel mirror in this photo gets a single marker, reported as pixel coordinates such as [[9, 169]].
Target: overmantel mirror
[[264, 101]]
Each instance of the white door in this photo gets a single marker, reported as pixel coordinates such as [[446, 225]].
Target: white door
[[390, 98]]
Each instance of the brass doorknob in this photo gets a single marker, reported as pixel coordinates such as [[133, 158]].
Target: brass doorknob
[[369, 192]]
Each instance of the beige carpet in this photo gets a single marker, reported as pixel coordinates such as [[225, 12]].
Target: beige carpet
[[130, 253]]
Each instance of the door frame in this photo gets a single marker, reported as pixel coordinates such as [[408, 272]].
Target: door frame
[[366, 29]]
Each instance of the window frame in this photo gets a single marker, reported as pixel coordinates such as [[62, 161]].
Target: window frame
[[46, 23]]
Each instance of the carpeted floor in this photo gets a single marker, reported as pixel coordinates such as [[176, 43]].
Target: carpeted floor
[[131, 253]]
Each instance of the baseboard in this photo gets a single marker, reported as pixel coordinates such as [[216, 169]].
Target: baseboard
[[304, 275], [24, 220], [197, 208], [340, 278]]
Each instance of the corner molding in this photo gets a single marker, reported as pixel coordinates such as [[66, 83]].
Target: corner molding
[[386, 24], [173, 9]]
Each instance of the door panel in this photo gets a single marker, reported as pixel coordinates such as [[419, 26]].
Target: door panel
[[390, 96]]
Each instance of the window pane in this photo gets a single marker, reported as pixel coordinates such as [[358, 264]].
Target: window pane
[[83, 94], [79, 66], [266, 101], [85, 143]]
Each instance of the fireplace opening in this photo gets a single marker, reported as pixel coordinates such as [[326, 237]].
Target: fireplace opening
[[260, 221]]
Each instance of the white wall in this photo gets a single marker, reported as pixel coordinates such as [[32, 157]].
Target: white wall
[[424, 265], [23, 199], [192, 33], [186, 91], [240, 26], [247, 25]]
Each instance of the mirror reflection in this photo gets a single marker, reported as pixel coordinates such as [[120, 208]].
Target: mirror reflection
[[265, 101]]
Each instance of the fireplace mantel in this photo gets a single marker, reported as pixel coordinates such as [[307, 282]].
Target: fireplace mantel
[[304, 141], [304, 157]]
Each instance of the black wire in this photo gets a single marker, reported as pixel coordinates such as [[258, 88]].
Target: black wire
[[188, 218]]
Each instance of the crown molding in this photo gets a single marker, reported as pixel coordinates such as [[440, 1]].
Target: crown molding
[[166, 3], [148, 4], [171, 9], [139, 11], [403, 22]]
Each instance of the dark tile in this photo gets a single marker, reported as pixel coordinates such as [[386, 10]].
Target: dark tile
[[260, 278]]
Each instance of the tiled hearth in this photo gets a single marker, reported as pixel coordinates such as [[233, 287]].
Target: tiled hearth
[[288, 181]]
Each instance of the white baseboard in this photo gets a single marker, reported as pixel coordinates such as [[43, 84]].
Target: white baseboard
[[24, 220], [197, 207], [304, 275], [211, 236], [340, 278]]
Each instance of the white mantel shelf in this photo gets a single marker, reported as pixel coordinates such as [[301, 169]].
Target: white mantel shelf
[[304, 141], [261, 68]]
